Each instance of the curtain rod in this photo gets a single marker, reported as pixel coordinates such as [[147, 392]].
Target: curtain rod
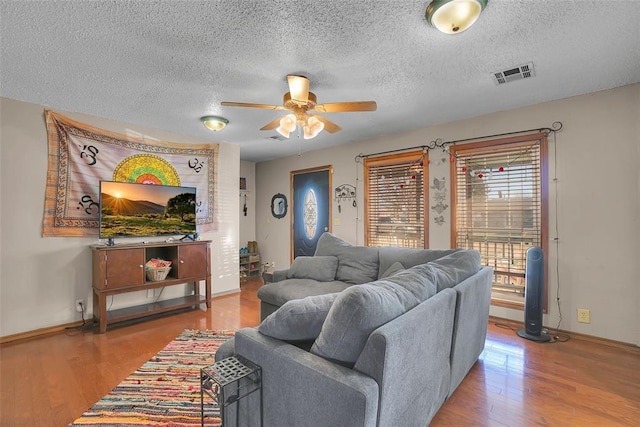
[[439, 143]]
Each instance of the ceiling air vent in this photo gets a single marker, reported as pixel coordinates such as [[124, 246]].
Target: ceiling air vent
[[277, 138], [517, 73]]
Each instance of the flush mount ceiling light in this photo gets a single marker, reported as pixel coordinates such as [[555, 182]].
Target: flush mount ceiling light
[[454, 16], [214, 123]]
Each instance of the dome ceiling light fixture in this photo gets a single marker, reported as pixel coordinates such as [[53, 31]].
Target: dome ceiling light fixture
[[454, 16], [214, 123]]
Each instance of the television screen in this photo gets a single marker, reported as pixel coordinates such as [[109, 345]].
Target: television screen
[[136, 210]]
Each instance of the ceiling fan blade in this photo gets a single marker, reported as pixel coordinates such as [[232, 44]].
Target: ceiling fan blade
[[272, 124], [244, 104], [329, 126], [299, 88], [341, 107]]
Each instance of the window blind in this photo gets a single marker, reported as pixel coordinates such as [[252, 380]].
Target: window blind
[[498, 206], [394, 206]]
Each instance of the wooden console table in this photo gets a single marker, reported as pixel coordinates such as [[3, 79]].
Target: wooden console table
[[121, 268]]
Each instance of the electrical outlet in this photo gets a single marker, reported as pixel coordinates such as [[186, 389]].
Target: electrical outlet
[[584, 315], [79, 305], [150, 293]]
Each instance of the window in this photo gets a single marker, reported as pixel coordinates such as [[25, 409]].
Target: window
[[499, 189], [395, 192]]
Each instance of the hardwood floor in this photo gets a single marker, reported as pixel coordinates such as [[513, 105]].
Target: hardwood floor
[[50, 381]]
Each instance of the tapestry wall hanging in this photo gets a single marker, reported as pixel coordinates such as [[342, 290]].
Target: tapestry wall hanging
[[80, 156]]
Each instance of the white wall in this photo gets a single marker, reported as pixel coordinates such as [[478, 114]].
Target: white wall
[[598, 202], [41, 278], [248, 222]]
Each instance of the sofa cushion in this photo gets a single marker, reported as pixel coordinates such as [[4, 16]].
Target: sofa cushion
[[395, 268], [448, 271], [415, 280], [320, 268], [409, 257], [360, 309], [298, 320], [278, 293], [356, 264]]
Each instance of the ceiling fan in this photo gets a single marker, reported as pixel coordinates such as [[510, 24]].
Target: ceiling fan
[[300, 102]]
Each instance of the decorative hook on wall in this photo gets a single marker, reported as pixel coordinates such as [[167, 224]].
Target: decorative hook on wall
[[345, 192], [243, 194]]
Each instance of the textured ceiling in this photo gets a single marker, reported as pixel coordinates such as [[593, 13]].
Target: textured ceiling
[[163, 64]]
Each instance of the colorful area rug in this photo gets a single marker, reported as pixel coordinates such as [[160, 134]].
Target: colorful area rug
[[165, 391]]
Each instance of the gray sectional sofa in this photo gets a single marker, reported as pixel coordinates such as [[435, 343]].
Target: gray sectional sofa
[[365, 336]]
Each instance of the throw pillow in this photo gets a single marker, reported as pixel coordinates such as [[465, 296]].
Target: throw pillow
[[393, 269], [361, 309], [356, 264], [358, 310], [298, 320], [320, 268]]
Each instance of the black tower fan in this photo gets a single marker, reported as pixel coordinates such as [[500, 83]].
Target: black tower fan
[[533, 276]]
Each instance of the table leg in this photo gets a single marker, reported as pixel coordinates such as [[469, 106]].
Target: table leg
[[207, 291]]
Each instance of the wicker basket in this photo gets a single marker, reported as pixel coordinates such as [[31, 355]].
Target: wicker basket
[[157, 274]]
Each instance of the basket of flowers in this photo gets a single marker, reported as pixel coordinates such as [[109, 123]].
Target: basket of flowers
[[157, 269]]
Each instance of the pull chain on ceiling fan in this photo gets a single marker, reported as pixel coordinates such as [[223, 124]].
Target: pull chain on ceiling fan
[[300, 101]]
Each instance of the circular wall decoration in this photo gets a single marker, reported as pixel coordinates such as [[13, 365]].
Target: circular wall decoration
[[146, 169], [279, 205]]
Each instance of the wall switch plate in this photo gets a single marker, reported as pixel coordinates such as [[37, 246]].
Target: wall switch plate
[[584, 315]]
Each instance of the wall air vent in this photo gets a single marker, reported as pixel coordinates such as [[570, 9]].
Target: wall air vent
[[512, 74]]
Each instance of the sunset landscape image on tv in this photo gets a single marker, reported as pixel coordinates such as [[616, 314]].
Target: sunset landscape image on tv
[[136, 210]]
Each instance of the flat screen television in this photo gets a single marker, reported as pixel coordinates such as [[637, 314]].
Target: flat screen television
[[139, 210]]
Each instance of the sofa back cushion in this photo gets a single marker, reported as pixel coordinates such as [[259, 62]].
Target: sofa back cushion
[[409, 257], [395, 268], [359, 310], [356, 264], [448, 271], [320, 268]]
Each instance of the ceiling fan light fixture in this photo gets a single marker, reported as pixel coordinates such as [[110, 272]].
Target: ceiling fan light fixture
[[301, 102], [454, 16], [287, 125], [312, 128], [214, 123], [283, 131]]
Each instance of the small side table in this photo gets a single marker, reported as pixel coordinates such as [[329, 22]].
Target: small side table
[[227, 381]]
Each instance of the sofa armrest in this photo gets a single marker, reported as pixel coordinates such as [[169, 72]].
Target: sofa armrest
[[470, 328], [280, 275], [301, 389], [409, 358]]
